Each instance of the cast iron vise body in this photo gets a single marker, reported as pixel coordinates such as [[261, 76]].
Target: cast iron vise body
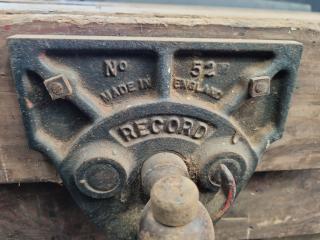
[[153, 137]]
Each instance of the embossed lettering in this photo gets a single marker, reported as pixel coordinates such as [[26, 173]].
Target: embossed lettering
[[171, 125], [200, 131], [197, 87], [125, 88], [131, 86], [122, 65], [192, 85], [144, 83], [196, 68], [112, 67], [116, 92], [208, 68], [106, 96], [187, 126], [127, 131], [205, 68], [156, 125], [142, 127]]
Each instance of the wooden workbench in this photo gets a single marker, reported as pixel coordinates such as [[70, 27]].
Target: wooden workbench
[[281, 200]]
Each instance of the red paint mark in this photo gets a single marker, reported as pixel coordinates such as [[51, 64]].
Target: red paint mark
[[29, 104], [230, 198], [7, 27], [232, 188], [42, 55]]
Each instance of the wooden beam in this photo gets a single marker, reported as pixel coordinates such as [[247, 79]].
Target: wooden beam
[[280, 205], [275, 204], [299, 148]]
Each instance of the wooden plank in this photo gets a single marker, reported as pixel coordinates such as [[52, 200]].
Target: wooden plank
[[305, 237], [299, 149], [42, 212], [275, 204], [280, 205]]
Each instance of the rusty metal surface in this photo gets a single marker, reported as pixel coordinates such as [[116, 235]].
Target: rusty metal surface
[[99, 107]]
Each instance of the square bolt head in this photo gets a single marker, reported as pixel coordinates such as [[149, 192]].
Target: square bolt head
[[259, 86], [58, 87]]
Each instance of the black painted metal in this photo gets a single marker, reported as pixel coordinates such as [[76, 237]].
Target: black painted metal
[[100, 106]]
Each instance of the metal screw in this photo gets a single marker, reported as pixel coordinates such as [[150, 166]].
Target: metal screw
[[99, 178], [259, 86], [58, 87], [102, 177]]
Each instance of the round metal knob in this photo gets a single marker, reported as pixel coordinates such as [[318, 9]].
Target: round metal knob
[[100, 178], [101, 169], [174, 201]]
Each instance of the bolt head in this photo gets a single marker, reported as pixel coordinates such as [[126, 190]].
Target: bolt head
[[100, 178], [58, 87], [259, 86]]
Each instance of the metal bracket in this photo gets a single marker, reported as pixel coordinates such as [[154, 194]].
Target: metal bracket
[[99, 107]]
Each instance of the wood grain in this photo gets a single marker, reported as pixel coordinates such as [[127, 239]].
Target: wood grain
[[280, 205], [299, 148], [273, 205]]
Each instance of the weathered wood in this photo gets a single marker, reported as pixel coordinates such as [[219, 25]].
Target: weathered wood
[[46, 212], [274, 206], [305, 237], [299, 149]]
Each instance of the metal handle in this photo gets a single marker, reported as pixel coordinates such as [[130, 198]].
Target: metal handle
[[174, 210]]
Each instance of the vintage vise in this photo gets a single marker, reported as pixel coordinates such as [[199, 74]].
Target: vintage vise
[[153, 137]]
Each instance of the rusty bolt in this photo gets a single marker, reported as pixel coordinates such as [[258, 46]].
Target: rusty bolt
[[174, 201], [259, 86], [58, 87]]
